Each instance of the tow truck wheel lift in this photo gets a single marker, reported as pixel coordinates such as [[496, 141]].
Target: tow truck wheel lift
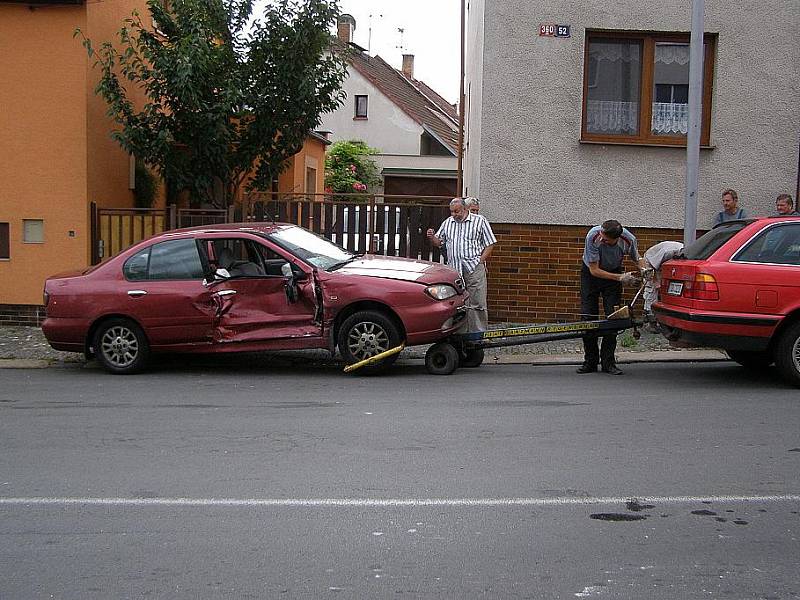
[[467, 349]]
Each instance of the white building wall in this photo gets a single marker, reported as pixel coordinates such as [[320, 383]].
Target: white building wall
[[387, 128], [473, 110], [532, 166]]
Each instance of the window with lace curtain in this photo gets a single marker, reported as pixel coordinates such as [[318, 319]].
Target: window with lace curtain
[[636, 88]]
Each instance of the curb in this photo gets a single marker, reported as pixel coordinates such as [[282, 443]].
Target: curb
[[681, 356]]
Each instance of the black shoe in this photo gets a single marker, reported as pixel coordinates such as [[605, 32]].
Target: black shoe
[[612, 370], [584, 368]]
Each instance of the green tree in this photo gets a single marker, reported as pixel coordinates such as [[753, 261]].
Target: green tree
[[229, 95], [349, 169]]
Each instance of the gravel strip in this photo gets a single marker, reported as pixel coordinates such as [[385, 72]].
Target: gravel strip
[[29, 343]]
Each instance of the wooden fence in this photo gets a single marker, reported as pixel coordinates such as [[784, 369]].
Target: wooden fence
[[364, 223]]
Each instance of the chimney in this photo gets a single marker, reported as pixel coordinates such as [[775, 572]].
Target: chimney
[[346, 26], [408, 65]]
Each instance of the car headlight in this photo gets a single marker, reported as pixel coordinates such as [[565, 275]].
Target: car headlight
[[441, 291]]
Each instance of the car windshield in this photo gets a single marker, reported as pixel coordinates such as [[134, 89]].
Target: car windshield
[[313, 249], [707, 244]]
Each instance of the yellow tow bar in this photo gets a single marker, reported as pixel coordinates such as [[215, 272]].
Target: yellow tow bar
[[374, 359]]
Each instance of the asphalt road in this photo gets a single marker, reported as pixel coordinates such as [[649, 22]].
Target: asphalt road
[[508, 481]]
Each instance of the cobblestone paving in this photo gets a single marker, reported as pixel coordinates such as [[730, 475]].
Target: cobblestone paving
[[30, 343]]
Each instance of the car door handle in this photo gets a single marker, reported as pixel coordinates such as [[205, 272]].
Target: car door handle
[[136, 293], [223, 293]]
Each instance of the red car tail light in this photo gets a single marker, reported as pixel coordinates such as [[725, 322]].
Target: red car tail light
[[704, 287]]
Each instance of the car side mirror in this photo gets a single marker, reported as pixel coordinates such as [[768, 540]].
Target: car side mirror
[[292, 272]]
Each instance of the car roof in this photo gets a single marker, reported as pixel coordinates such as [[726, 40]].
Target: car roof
[[256, 227]]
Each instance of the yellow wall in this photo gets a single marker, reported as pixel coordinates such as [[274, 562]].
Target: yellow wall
[[56, 154], [293, 178], [43, 155], [108, 165]]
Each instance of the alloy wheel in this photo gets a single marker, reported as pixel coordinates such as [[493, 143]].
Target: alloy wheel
[[366, 339], [120, 346]]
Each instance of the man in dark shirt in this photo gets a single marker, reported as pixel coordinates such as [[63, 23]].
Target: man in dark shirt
[[601, 275], [784, 207]]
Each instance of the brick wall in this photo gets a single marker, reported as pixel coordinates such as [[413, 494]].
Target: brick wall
[[534, 272], [21, 314]]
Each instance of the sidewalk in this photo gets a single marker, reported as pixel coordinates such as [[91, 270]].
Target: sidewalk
[[26, 348]]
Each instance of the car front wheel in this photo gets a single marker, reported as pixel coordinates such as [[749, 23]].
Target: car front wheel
[[366, 334], [121, 346], [787, 354]]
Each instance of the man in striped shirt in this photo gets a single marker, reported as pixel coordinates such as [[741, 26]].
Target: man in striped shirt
[[469, 239]]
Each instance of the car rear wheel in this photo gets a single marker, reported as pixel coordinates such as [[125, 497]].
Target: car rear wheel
[[751, 359], [787, 354], [366, 334], [121, 346]]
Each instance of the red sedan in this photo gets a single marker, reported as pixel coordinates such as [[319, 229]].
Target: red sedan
[[738, 288], [235, 288]]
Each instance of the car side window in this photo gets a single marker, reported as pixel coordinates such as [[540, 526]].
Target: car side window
[[175, 259], [135, 268], [779, 244], [240, 257]]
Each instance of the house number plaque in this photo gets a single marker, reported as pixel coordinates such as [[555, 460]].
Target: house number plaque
[[553, 30]]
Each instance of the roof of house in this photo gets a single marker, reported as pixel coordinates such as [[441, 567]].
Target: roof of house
[[418, 100]]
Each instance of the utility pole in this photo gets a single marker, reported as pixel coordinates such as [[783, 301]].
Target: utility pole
[[460, 159], [696, 52]]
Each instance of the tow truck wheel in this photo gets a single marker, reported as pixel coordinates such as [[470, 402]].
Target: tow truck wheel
[[472, 358], [441, 359]]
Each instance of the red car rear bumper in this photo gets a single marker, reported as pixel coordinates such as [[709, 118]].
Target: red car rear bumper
[[716, 330], [66, 334]]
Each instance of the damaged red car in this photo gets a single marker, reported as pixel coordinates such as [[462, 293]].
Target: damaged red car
[[245, 288]]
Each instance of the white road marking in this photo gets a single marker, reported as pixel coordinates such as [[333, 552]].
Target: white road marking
[[386, 502]]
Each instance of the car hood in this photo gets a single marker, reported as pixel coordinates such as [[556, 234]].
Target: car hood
[[404, 269]]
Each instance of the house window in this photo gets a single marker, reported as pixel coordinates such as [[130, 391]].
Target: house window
[[4, 241], [33, 231], [636, 88], [361, 107]]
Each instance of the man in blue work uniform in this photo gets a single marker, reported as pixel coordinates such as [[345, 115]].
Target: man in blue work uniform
[[602, 275]]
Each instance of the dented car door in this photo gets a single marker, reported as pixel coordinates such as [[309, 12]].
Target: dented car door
[[255, 307]]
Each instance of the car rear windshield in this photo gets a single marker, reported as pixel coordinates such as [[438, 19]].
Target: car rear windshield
[[707, 244]]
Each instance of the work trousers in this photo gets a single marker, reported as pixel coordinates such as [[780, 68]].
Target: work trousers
[[477, 314], [592, 289]]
